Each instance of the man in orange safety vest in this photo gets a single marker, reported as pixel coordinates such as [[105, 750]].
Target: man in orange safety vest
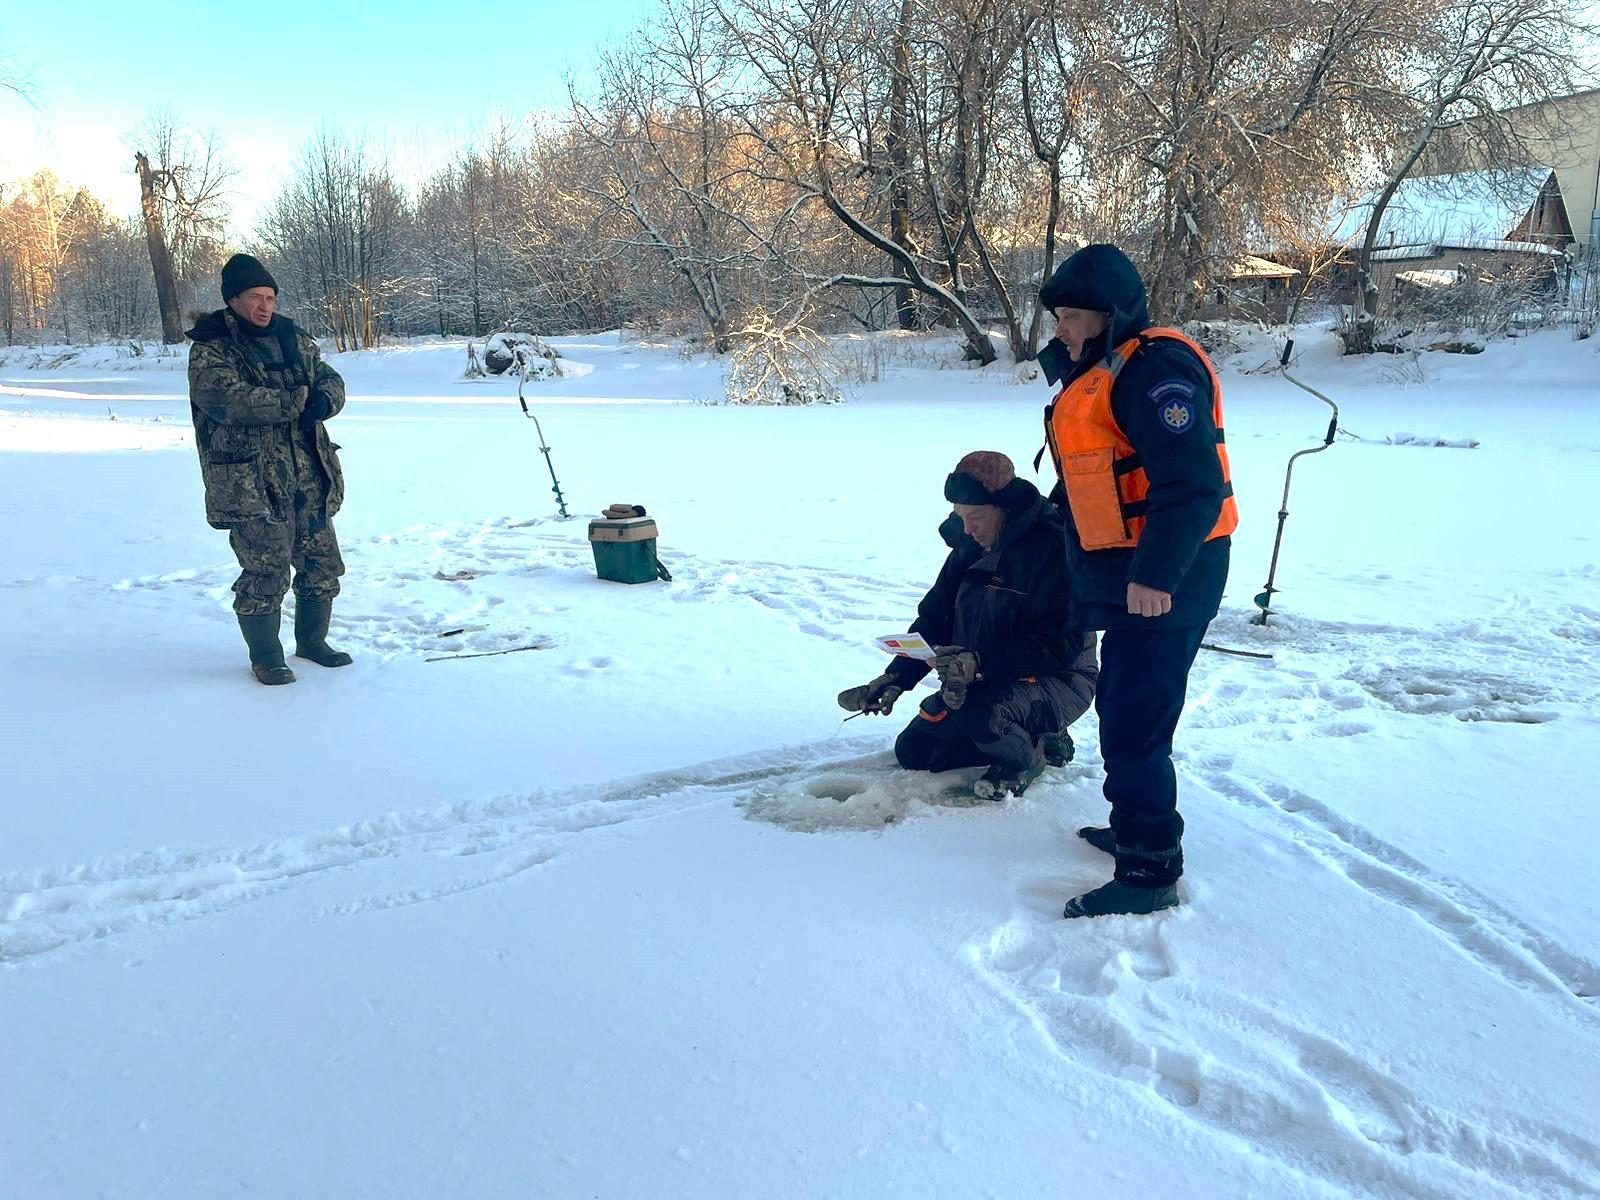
[[1136, 435]]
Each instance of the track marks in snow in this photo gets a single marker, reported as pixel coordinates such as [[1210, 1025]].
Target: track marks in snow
[[1288, 704], [1474, 924], [1520, 664], [1357, 1096], [405, 588], [497, 581], [1575, 623], [509, 868], [816, 601], [515, 578], [1113, 996], [1464, 695], [1246, 703], [472, 845]]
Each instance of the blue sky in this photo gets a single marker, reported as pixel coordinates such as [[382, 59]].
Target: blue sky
[[418, 77]]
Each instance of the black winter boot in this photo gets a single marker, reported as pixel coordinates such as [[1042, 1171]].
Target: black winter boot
[[1100, 837], [311, 619], [1146, 877], [266, 654], [1121, 899], [1058, 748], [999, 782]]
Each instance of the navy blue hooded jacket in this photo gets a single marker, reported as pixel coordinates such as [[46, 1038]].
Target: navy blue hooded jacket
[[1186, 485]]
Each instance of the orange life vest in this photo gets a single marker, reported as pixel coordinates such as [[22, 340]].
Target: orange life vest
[[1105, 481]]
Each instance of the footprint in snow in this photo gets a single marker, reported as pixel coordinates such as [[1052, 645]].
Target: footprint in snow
[[585, 667], [1464, 695]]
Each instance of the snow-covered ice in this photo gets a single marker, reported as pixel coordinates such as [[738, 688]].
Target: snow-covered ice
[[630, 912]]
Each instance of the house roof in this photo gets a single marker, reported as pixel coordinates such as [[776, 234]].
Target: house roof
[[1468, 206], [1248, 266], [1434, 249], [1552, 101], [1429, 279]]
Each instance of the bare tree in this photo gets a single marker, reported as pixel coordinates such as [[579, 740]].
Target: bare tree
[[30, 255], [565, 240], [56, 245], [155, 234], [183, 201], [965, 113], [1212, 106], [15, 76], [104, 282], [559, 234], [899, 162], [337, 231], [675, 173], [1050, 96], [745, 166], [1299, 228], [453, 227], [815, 117]]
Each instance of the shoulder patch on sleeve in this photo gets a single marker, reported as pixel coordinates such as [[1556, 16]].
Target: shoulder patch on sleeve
[[1175, 389], [1178, 415], [1175, 402]]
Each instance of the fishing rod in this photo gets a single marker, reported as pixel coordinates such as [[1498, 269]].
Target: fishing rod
[[523, 356], [1264, 598]]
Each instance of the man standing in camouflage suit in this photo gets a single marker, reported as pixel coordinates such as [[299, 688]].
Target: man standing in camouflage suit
[[259, 393]]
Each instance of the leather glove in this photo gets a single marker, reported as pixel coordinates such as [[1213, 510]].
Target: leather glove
[[875, 697], [317, 409], [958, 670]]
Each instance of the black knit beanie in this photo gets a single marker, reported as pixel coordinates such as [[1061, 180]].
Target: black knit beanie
[[243, 272]]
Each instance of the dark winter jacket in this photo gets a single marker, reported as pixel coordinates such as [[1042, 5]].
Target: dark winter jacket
[[1186, 485], [248, 424], [1008, 604]]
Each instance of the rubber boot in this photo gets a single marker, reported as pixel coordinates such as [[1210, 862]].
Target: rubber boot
[[266, 653], [311, 619]]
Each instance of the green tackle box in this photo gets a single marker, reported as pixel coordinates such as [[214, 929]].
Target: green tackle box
[[625, 549]]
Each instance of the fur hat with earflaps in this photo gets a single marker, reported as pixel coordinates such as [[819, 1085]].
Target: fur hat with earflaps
[[987, 477]]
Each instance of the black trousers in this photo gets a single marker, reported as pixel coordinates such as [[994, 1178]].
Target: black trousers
[[1144, 676], [1000, 724]]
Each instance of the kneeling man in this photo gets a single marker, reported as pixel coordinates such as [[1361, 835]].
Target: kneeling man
[[1012, 675]]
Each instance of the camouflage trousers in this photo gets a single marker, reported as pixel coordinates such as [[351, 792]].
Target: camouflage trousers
[[267, 549]]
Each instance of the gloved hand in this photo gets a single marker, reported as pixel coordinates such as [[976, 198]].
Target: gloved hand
[[317, 408], [301, 395], [875, 697], [958, 670]]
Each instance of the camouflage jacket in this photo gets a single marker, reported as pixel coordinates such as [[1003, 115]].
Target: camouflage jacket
[[247, 421]]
